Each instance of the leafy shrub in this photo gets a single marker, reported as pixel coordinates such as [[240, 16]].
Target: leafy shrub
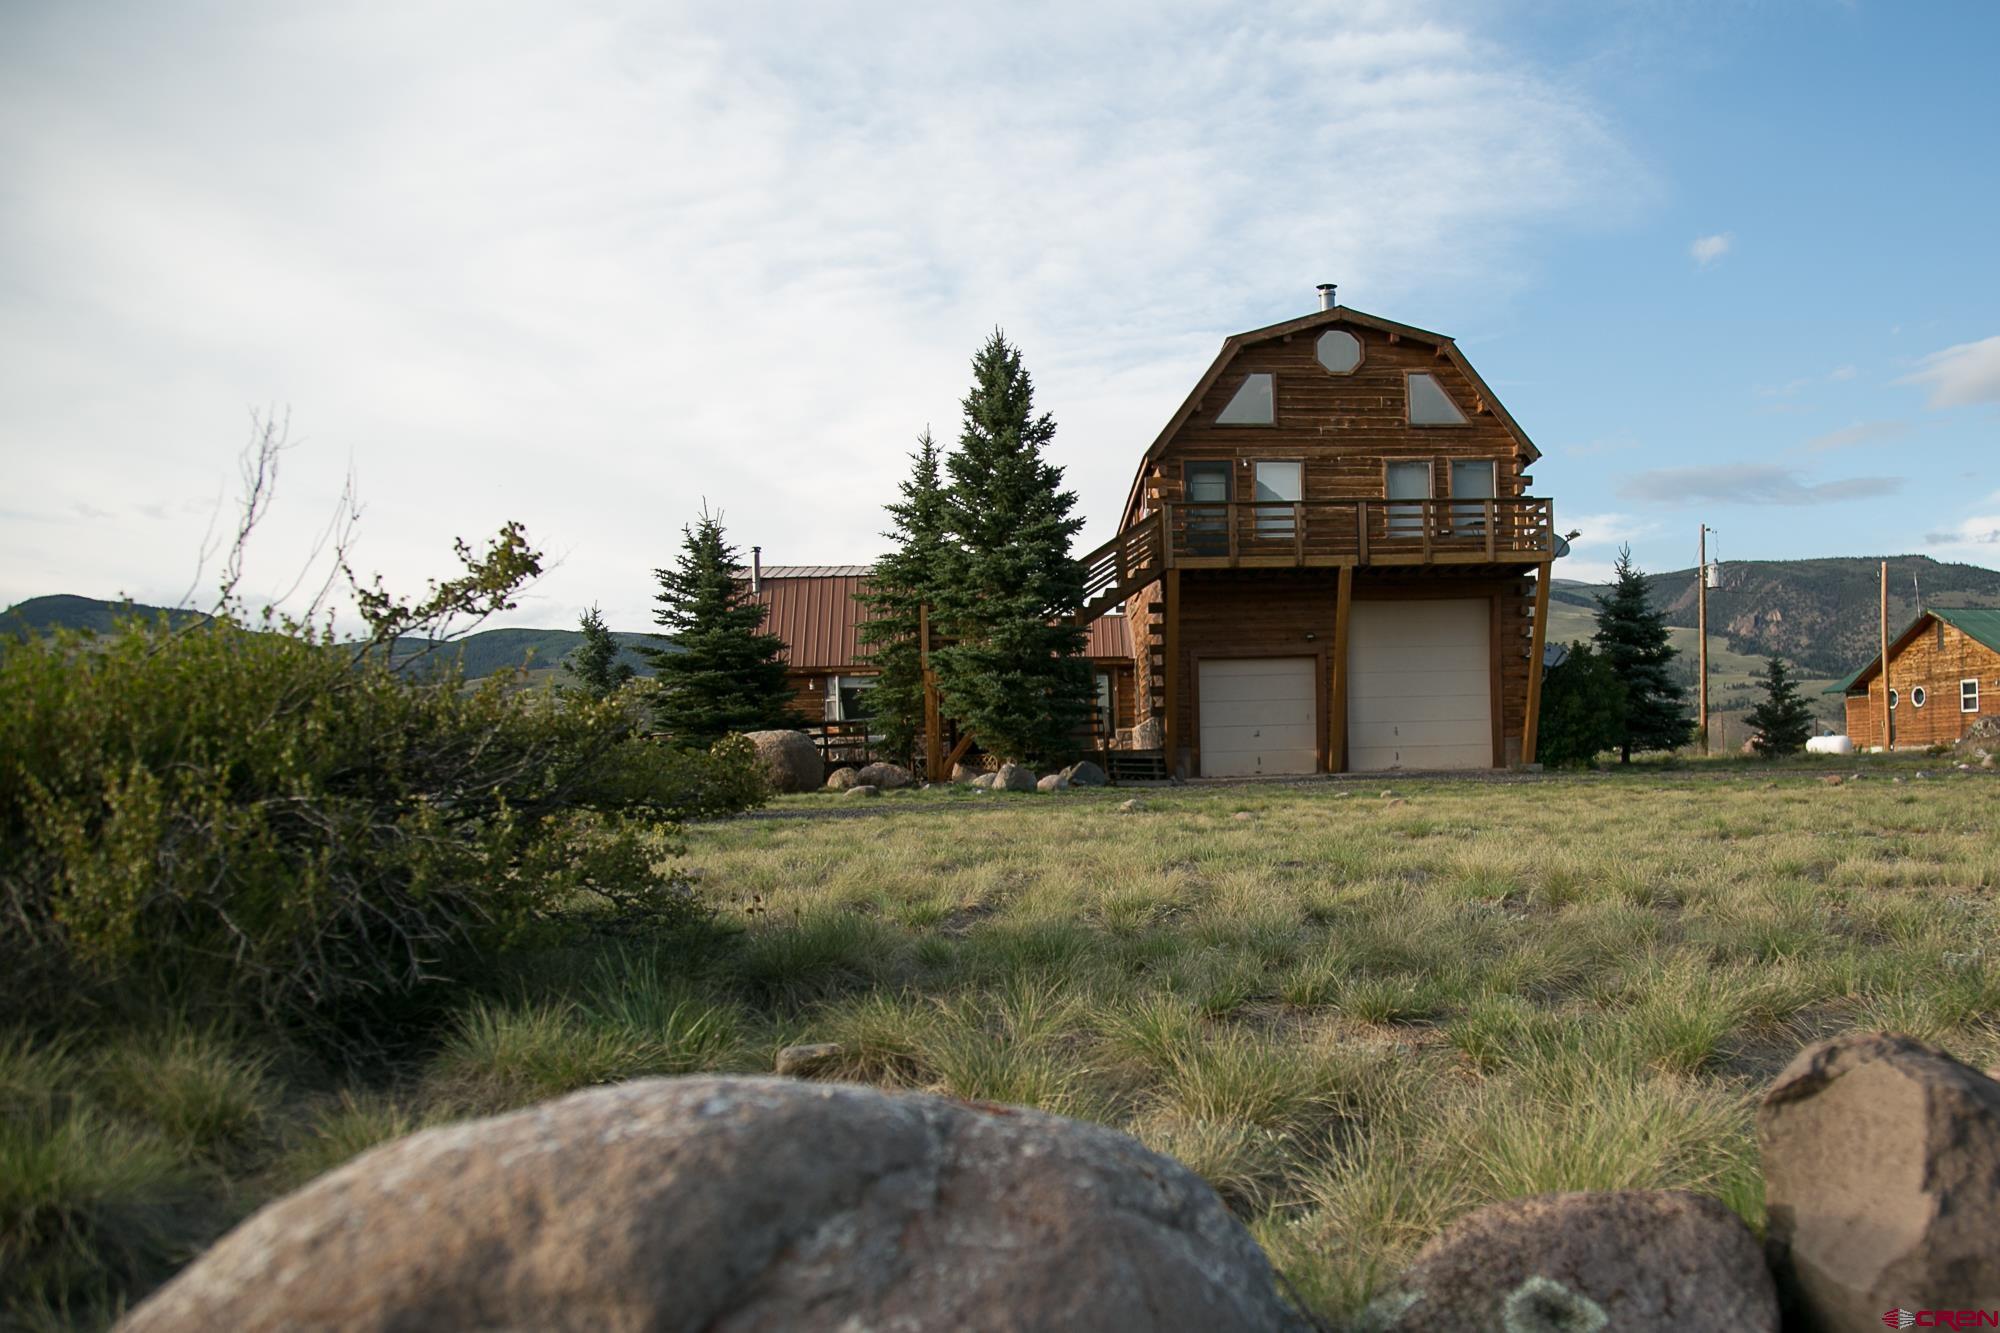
[[219, 816], [1583, 709]]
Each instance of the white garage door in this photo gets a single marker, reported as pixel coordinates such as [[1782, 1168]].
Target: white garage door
[[1420, 692], [1259, 715]]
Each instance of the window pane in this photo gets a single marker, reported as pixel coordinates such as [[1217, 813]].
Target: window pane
[[1430, 405], [1408, 481], [1968, 696], [1208, 512], [1252, 405], [1471, 483], [1278, 483], [1339, 351]]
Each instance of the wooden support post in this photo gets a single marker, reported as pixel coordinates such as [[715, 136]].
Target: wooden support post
[[1531, 728], [933, 724], [1491, 534], [1170, 631], [1336, 734], [1888, 714], [958, 751], [1361, 530]]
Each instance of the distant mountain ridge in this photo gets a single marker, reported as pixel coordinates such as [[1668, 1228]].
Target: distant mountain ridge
[[483, 653], [1819, 614]]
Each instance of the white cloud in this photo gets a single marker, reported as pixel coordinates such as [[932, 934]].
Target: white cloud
[[1961, 376], [1707, 249], [1975, 539], [1749, 484], [1860, 433], [585, 271]]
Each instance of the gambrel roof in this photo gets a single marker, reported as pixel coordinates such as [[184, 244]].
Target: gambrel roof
[[1320, 319]]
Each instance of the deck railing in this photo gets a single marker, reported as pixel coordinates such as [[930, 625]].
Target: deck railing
[[1360, 532]]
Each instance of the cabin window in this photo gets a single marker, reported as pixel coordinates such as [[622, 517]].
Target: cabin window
[[1338, 350], [1408, 480], [1278, 489], [1917, 696], [848, 698], [1430, 405], [1968, 696], [1472, 483], [1253, 405], [1107, 716], [1207, 486], [1894, 698]]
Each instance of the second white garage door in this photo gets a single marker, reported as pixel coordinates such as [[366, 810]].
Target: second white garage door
[[1420, 693], [1259, 715]]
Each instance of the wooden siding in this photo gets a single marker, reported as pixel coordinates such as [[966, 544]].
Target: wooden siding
[[1938, 657], [1255, 613], [1344, 428]]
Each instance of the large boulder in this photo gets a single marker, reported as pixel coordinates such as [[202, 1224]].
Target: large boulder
[[1052, 782], [965, 772], [789, 759], [1637, 1260], [1881, 1181], [985, 781], [1014, 777], [1085, 774], [886, 776], [842, 778], [739, 1204]]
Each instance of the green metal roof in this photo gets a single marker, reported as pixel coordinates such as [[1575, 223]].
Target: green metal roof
[[1980, 623]]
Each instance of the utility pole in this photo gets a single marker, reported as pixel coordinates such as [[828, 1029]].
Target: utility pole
[[1701, 628], [1888, 713]]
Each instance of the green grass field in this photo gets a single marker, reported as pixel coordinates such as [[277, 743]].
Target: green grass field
[[1357, 1013]]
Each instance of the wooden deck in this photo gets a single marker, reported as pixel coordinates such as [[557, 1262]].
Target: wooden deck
[[1317, 535]]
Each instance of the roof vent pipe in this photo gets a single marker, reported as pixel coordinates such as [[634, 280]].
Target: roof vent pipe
[[1326, 291], [756, 570]]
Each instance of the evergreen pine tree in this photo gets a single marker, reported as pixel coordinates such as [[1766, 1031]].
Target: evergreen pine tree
[[1784, 720], [724, 674], [1013, 674], [1583, 709], [901, 582], [594, 663], [1633, 637]]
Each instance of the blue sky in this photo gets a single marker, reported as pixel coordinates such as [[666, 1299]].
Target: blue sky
[[589, 265]]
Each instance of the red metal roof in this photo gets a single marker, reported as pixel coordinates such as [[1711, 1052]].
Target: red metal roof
[[817, 617], [820, 621]]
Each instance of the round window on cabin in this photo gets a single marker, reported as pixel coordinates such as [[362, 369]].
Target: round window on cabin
[[1339, 351], [1894, 698], [1917, 696]]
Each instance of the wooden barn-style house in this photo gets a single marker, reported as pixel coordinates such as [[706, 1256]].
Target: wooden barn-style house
[[1330, 561], [1944, 675]]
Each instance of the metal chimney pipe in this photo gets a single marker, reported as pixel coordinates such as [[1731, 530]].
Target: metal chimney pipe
[[756, 570], [1326, 291]]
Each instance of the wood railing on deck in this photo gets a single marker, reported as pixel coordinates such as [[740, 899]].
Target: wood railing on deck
[[1357, 532], [1122, 566]]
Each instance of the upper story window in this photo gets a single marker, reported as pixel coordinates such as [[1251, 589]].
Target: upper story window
[[1255, 404], [1338, 350], [1968, 696], [1430, 405]]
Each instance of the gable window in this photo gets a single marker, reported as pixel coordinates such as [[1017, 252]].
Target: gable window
[[1430, 405], [1338, 350], [1472, 484], [1968, 696], [1408, 480], [1917, 696], [1253, 405], [1278, 488], [1207, 486]]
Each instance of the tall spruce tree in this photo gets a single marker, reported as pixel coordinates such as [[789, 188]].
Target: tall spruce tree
[[900, 584], [1633, 637], [1012, 674], [594, 663], [1784, 721], [724, 674]]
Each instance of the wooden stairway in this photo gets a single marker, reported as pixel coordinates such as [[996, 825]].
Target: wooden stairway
[[1122, 566]]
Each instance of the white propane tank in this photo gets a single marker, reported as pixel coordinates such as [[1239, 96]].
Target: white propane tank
[[1829, 745]]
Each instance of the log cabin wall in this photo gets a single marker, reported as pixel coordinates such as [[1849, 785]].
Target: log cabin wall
[[1937, 658], [1343, 427]]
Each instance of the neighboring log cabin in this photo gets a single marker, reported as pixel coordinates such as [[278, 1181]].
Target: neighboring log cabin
[[1944, 675], [816, 610], [1330, 561]]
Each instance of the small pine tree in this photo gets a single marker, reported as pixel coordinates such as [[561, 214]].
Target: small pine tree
[[1583, 709], [1784, 720], [898, 587], [594, 663], [1633, 638], [1013, 674], [723, 675]]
